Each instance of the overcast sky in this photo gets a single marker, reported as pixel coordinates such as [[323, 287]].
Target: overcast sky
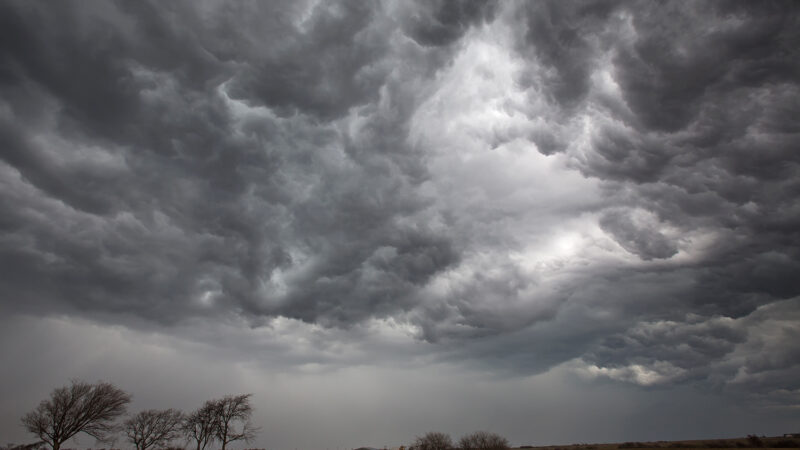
[[559, 221]]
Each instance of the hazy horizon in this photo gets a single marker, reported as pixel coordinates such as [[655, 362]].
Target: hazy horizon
[[559, 221]]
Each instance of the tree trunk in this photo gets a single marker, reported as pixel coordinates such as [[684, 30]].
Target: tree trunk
[[56, 445]]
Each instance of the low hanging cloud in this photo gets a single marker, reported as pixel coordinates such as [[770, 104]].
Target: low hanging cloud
[[519, 185]]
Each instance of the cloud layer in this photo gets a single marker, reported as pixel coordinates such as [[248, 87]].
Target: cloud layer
[[606, 186]]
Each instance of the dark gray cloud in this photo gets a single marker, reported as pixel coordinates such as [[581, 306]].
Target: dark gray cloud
[[562, 36], [336, 60], [443, 22], [607, 188], [636, 238], [168, 197]]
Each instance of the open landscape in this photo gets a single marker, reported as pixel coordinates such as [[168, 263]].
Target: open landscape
[[94, 410], [341, 224]]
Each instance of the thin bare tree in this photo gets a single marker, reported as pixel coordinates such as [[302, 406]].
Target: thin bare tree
[[233, 419], [79, 407], [200, 425], [153, 428], [483, 440], [433, 440]]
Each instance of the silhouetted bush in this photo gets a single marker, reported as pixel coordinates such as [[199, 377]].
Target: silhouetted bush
[[483, 440], [433, 440]]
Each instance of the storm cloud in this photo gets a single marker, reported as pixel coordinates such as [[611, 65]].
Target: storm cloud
[[605, 189]]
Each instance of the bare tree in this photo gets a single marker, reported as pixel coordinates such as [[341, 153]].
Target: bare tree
[[153, 428], [433, 440], [79, 407], [200, 425], [483, 440], [233, 419]]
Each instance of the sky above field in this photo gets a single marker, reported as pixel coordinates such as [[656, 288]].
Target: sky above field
[[559, 221]]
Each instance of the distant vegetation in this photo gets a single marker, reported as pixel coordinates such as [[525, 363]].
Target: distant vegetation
[[479, 440]]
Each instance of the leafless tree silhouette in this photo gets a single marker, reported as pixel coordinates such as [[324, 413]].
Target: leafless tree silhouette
[[233, 419], [153, 428], [79, 407], [200, 425]]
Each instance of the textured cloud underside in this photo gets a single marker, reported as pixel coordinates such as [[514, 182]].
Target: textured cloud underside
[[518, 184]]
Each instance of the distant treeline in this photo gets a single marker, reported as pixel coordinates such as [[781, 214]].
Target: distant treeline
[[751, 441]]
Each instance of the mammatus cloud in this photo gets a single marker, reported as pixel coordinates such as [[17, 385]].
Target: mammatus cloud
[[513, 185]]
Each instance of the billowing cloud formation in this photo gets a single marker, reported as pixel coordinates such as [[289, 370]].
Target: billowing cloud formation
[[757, 353], [521, 185]]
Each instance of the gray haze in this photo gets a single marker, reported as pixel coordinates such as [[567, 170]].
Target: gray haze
[[560, 221]]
